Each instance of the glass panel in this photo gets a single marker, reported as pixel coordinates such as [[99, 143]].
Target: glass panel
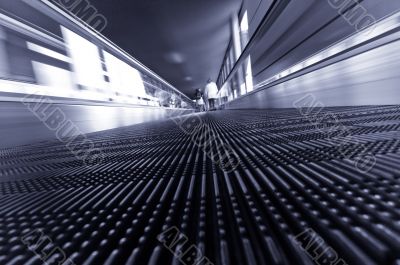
[[86, 63], [244, 30], [125, 80], [249, 76]]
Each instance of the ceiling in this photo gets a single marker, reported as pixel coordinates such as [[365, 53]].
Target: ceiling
[[183, 41]]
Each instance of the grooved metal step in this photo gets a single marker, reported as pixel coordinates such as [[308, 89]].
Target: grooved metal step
[[296, 192]]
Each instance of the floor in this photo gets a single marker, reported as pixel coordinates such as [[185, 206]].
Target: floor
[[230, 187], [22, 124]]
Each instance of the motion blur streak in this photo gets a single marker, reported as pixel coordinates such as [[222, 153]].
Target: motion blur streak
[[295, 162], [69, 65], [346, 73]]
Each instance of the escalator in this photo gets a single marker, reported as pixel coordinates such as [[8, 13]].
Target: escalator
[[279, 186]]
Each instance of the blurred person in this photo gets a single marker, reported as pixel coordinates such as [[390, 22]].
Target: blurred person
[[224, 96], [173, 101], [164, 98], [211, 94], [199, 100]]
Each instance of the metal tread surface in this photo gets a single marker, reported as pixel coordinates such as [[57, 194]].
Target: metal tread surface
[[293, 176]]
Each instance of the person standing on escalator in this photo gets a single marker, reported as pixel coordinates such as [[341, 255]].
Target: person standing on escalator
[[199, 100], [211, 94]]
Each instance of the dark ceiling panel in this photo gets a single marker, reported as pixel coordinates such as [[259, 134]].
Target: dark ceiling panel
[[184, 41]]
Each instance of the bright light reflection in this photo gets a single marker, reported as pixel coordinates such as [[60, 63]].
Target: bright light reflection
[[88, 72], [124, 79]]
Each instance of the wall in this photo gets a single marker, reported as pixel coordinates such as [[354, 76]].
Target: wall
[[304, 29], [19, 126]]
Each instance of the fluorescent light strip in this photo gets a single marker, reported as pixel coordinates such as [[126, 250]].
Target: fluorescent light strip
[[21, 27], [380, 28], [42, 50], [108, 42]]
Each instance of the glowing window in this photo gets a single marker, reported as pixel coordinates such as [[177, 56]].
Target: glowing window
[[249, 76], [124, 79], [86, 63], [244, 30], [244, 24]]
